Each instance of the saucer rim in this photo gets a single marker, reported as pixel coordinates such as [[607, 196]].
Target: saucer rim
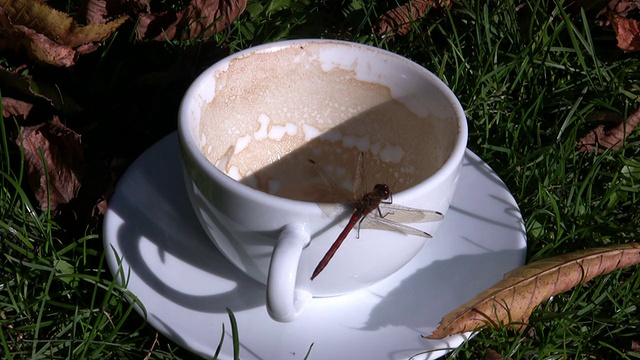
[[115, 263]]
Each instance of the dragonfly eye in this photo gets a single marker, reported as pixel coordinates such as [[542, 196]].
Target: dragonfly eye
[[382, 190]]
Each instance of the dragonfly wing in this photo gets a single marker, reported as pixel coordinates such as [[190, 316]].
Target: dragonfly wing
[[336, 193], [384, 224], [403, 214], [359, 186]]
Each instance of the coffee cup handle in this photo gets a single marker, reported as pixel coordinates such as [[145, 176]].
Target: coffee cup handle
[[284, 300]]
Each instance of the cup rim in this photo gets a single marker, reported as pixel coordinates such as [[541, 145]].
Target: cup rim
[[451, 164]]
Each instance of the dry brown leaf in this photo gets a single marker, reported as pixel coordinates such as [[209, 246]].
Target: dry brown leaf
[[102, 11], [620, 7], [42, 49], [29, 86], [95, 11], [201, 18], [398, 20], [627, 32], [511, 301], [47, 35], [13, 107], [493, 355], [56, 180], [609, 136]]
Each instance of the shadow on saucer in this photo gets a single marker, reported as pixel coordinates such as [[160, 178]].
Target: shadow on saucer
[[438, 288], [152, 202], [490, 228]]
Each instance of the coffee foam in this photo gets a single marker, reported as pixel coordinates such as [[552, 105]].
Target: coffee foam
[[274, 111]]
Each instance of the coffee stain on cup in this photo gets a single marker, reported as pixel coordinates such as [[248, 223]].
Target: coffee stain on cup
[[277, 109]]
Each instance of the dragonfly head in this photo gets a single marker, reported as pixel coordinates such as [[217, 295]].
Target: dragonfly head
[[382, 190]]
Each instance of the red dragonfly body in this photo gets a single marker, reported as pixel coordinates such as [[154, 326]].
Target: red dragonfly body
[[364, 214], [369, 202]]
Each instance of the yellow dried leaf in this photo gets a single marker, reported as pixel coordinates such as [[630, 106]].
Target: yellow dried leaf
[[511, 301], [56, 25], [48, 36]]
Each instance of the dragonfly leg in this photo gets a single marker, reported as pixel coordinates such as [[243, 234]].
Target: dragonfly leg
[[386, 201], [383, 215], [358, 228]]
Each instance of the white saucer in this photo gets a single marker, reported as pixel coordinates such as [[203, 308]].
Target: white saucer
[[185, 284]]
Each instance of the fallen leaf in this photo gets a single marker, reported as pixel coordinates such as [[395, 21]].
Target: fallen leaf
[[95, 11], [627, 32], [46, 35], [398, 20], [100, 208], [620, 7], [611, 135], [201, 18], [493, 355], [29, 86], [53, 157], [103, 11], [13, 107], [56, 25], [158, 26], [511, 301]]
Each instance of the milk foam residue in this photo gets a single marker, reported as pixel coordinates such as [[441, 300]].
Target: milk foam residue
[[277, 113]]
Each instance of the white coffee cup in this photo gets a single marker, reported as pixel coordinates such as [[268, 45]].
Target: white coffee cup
[[260, 114]]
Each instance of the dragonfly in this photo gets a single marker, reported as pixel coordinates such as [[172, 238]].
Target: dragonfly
[[368, 210]]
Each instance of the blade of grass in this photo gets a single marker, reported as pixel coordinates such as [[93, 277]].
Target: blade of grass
[[5, 346], [235, 337], [306, 356], [219, 348]]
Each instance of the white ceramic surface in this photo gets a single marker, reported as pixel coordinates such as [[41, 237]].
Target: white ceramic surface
[[185, 284], [279, 241]]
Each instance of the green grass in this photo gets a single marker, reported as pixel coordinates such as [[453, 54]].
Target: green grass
[[531, 78], [57, 298]]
